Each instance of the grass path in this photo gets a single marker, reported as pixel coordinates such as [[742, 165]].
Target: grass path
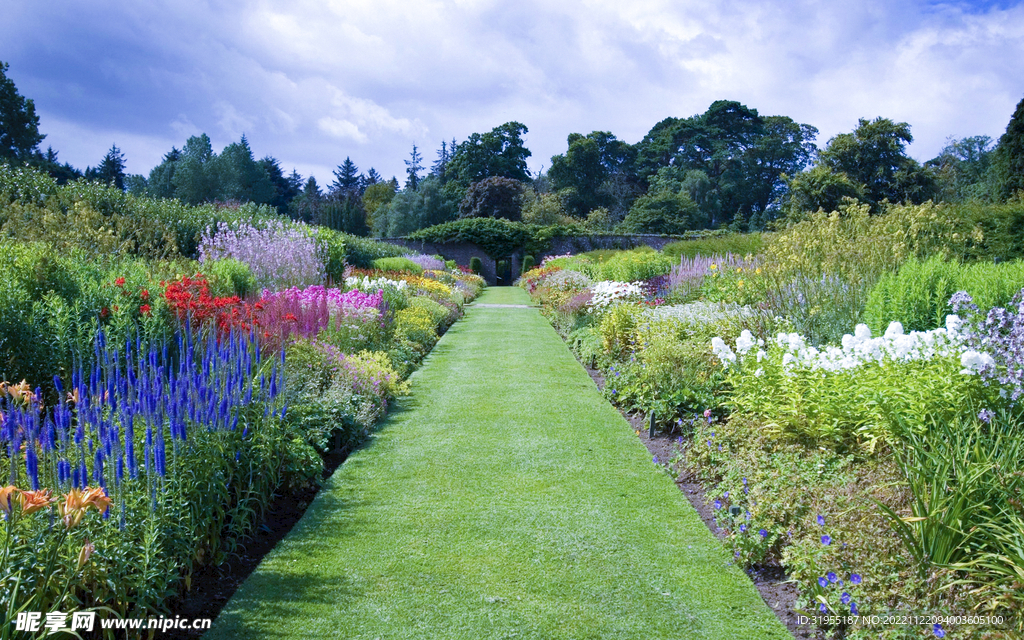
[[505, 498]]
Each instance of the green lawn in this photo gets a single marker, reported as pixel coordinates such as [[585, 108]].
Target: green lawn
[[505, 498]]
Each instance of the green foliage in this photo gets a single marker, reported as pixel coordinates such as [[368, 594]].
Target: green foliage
[[639, 264], [361, 252], [344, 212], [497, 237], [411, 210], [493, 197], [475, 265], [873, 156], [528, 263], [961, 169], [499, 152], [1008, 161], [230, 277], [663, 212], [918, 294], [415, 325], [397, 264], [718, 243], [818, 189], [19, 124]]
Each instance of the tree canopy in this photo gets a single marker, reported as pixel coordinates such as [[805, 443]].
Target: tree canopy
[[19, 124]]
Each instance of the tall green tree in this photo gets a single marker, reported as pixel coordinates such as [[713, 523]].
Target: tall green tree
[[285, 187], [595, 171], [874, 156], [1008, 162], [110, 169], [499, 152], [305, 207], [961, 168], [346, 178], [494, 197], [242, 179], [196, 176], [61, 172], [19, 124], [413, 166], [161, 177]]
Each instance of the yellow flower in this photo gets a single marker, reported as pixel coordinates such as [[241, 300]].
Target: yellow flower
[[713, 266], [740, 284], [76, 503]]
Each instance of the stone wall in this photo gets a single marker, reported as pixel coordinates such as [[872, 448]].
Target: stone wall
[[461, 252]]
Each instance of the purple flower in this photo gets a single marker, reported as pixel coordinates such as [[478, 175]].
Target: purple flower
[[986, 415], [655, 460], [821, 520], [938, 631], [826, 539], [718, 504], [744, 480], [823, 608], [764, 533], [823, 581], [743, 528], [855, 578], [853, 608], [831, 576], [725, 495], [845, 598]]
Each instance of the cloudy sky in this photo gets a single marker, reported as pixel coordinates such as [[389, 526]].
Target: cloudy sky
[[313, 81]]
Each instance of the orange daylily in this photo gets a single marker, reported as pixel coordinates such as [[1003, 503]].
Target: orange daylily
[[8, 496], [32, 501], [77, 502]]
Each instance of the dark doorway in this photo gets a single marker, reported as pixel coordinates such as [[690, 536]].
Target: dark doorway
[[503, 272]]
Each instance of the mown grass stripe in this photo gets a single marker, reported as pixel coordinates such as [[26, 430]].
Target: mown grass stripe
[[505, 498]]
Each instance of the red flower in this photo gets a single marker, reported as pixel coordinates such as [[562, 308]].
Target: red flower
[[144, 294], [104, 312], [117, 308], [119, 282], [144, 309]]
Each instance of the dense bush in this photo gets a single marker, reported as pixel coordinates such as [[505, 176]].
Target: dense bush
[[719, 244], [918, 294], [397, 264]]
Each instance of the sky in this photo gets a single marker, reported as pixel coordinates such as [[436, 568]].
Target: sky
[[311, 82]]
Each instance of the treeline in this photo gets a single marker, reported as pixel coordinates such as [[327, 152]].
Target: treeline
[[727, 167]]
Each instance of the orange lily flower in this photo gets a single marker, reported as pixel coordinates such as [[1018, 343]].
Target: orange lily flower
[[73, 508], [97, 499], [32, 501]]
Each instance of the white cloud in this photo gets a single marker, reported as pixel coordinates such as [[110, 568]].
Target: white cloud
[[312, 82]]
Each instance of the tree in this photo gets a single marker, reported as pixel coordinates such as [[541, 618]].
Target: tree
[[734, 156], [346, 178], [500, 152], [596, 171], [661, 212], [286, 188], [1008, 163], [196, 178], [161, 177], [494, 197], [443, 156], [110, 169], [305, 207], [961, 168], [343, 211], [242, 179], [372, 178], [48, 162], [19, 124], [412, 169], [375, 196], [818, 188], [873, 156]]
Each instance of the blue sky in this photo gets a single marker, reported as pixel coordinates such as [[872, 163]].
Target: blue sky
[[313, 81]]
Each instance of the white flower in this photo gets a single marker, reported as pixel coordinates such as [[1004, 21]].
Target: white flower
[[745, 342], [953, 324], [862, 332], [974, 362], [761, 353], [759, 372], [894, 329], [722, 351]]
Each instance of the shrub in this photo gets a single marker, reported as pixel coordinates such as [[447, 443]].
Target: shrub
[[361, 252], [918, 294], [415, 325], [230, 277], [397, 264], [528, 263], [639, 264], [475, 265], [740, 244]]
